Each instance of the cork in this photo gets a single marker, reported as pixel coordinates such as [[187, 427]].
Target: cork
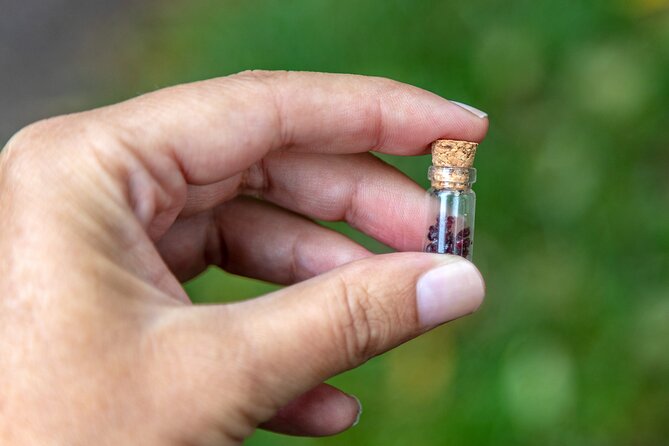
[[453, 153], [455, 158]]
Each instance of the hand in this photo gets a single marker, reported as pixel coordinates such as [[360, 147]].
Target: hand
[[104, 212]]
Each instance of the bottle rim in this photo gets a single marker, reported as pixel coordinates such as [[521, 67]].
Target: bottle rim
[[451, 177]]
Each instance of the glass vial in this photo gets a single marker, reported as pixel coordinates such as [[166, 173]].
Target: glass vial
[[452, 202]]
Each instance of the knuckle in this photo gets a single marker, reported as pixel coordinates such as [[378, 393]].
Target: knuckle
[[384, 82], [28, 136], [362, 324], [259, 75], [56, 133], [45, 152], [262, 84], [28, 147], [387, 85], [45, 129]]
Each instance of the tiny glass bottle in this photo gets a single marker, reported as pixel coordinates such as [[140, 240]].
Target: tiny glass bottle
[[452, 202]]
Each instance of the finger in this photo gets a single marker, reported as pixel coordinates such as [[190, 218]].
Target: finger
[[255, 239], [304, 334], [360, 189], [356, 188], [213, 129], [324, 410]]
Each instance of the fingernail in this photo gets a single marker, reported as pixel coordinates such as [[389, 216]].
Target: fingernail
[[480, 113], [448, 292], [357, 418]]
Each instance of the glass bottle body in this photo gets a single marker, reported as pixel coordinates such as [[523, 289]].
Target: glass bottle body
[[451, 226]]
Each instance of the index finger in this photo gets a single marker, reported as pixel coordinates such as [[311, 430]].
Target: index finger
[[216, 128]]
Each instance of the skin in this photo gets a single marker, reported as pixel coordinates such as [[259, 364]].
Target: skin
[[104, 213]]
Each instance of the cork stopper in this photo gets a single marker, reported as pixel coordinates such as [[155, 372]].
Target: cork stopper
[[451, 164], [453, 153]]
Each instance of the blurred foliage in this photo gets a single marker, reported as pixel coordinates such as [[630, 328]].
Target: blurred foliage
[[573, 208]]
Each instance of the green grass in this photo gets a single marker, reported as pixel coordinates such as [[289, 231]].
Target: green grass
[[572, 216]]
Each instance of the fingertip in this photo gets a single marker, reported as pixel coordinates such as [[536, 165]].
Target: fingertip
[[347, 416], [453, 289], [322, 411]]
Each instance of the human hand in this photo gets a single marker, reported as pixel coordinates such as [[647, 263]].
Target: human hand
[[104, 212]]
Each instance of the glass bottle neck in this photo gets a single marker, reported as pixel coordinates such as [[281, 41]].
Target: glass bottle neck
[[451, 178]]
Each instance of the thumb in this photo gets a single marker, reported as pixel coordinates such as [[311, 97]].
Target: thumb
[[311, 331]]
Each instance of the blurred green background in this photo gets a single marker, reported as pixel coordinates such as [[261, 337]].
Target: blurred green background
[[572, 345]]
